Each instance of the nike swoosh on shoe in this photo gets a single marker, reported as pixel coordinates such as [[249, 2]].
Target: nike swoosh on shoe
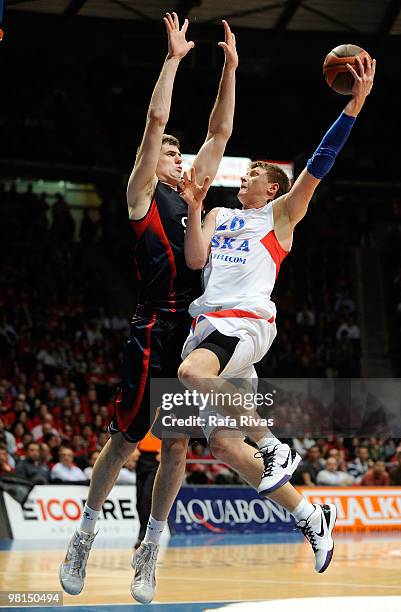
[[321, 533], [284, 465]]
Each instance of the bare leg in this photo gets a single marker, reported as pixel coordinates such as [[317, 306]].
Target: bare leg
[[169, 476], [200, 371], [226, 447], [107, 468]]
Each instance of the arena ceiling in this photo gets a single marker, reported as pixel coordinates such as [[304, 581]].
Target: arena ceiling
[[380, 17]]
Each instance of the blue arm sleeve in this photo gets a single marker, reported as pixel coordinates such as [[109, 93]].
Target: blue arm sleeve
[[333, 141]]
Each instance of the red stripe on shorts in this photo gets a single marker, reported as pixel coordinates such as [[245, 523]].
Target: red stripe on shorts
[[129, 416], [237, 313]]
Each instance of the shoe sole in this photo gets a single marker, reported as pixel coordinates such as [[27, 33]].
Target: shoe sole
[[285, 478], [329, 555], [63, 587], [141, 601]]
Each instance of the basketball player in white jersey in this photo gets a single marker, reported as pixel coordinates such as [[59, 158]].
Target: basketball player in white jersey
[[234, 319]]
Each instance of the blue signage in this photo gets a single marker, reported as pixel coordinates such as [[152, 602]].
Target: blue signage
[[226, 510]]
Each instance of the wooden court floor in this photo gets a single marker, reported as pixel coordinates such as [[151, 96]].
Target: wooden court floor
[[361, 566]]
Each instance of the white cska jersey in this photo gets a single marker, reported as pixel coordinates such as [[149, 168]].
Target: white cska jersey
[[243, 265]]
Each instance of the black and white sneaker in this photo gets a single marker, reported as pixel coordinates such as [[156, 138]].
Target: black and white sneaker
[[280, 463], [317, 528]]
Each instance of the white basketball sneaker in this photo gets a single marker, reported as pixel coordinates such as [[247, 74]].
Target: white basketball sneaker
[[280, 463], [72, 570], [143, 585], [317, 528]]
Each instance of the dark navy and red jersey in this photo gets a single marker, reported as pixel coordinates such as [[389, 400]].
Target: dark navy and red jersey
[[161, 322], [166, 283]]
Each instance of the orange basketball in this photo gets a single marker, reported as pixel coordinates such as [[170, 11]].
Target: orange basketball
[[335, 67]]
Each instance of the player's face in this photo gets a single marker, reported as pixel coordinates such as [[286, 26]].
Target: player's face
[[255, 188], [169, 166]]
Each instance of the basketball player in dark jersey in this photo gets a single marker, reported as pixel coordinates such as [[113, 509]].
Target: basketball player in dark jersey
[[157, 215]]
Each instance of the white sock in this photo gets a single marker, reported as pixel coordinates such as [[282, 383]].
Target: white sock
[[89, 518], [266, 441], [303, 510], [154, 530]]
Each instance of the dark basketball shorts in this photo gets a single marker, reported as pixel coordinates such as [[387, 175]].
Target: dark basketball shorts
[[153, 351], [222, 346]]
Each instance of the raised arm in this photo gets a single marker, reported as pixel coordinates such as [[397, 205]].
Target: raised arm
[[295, 203], [221, 119], [143, 177], [197, 236]]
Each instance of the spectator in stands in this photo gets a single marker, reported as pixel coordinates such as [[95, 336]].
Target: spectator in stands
[[306, 318], [5, 467], [102, 439], [376, 448], [360, 465], [80, 450], [46, 426], [348, 329], [89, 437], [389, 449], [377, 476], [53, 442], [334, 452], [66, 470], [31, 467], [10, 439], [20, 430], [59, 388], [323, 446], [8, 335], [220, 474], [67, 433], [332, 476], [3, 444], [46, 455], [92, 460], [198, 473], [302, 445], [395, 472], [312, 466], [127, 475], [338, 443], [344, 302]]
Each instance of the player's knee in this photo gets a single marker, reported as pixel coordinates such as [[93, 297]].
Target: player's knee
[[121, 447], [188, 374], [174, 451]]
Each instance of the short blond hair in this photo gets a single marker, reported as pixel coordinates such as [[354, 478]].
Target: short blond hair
[[275, 175]]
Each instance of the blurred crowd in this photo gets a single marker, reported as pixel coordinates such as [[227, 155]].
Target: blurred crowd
[[62, 333], [332, 461], [338, 461]]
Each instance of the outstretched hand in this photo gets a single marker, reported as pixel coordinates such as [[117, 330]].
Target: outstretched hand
[[192, 193], [363, 79], [229, 47], [178, 46]]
